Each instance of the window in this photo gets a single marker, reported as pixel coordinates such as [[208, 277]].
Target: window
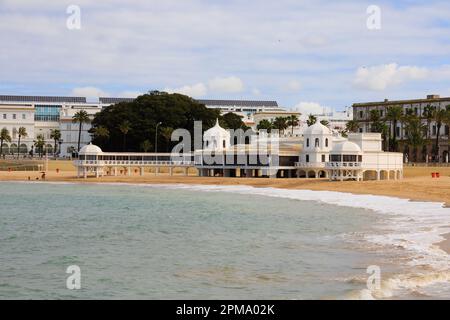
[[326, 142], [359, 158], [381, 113], [361, 114], [335, 158], [4, 116], [323, 158], [434, 130], [307, 158], [47, 112], [316, 143], [24, 116], [307, 142], [224, 143], [360, 130], [14, 116], [397, 131]]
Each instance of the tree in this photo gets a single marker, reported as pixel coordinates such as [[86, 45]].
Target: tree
[[146, 145], [311, 120], [280, 123], [325, 122], [428, 114], [292, 121], [22, 134], [415, 132], [80, 117], [375, 119], [56, 136], [439, 116], [166, 133], [265, 125], [394, 115], [100, 133], [144, 112], [232, 121], [124, 128], [39, 144], [4, 136], [352, 126]]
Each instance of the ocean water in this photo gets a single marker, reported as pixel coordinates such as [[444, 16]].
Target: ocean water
[[206, 242]]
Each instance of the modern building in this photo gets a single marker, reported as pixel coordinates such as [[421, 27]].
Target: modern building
[[361, 113]]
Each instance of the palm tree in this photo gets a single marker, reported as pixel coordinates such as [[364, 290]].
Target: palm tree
[[124, 128], [280, 123], [56, 136], [39, 144], [146, 145], [352, 126], [101, 133], [394, 114], [22, 133], [264, 125], [415, 131], [439, 117], [80, 117], [292, 121], [166, 133], [325, 122], [311, 120], [428, 112], [4, 136]]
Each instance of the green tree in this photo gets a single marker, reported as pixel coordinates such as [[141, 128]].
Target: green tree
[[265, 125], [415, 132], [39, 144], [232, 121], [56, 136], [311, 120], [22, 134], [325, 122], [376, 125], [352, 126], [4, 136], [124, 128], [80, 117], [146, 145], [292, 121], [428, 114], [100, 134], [166, 133], [394, 115], [439, 116], [280, 123]]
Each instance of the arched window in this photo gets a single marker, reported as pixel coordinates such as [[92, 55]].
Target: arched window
[[224, 143], [207, 143], [326, 142], [317, 142], [307, 158], [307, 142]]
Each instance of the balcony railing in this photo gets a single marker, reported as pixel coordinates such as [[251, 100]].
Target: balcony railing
[[131, 163], [310, 164], [337, 165]]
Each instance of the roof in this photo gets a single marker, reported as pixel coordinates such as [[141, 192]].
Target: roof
[[238, 103], [90, 149], [51, 99], [429, 99], [216, 131], [346, 147], [106, 100], [317, 129]]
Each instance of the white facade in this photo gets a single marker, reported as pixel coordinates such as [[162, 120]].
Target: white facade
[[12, 117]]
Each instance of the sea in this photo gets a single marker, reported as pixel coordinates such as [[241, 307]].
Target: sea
[[125, 241]]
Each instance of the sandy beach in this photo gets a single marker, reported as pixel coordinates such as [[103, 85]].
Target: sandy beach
[[417, 185]]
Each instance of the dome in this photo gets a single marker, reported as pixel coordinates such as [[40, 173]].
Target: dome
[[216, 131], [346, 147], [90, 149], [317, 129]]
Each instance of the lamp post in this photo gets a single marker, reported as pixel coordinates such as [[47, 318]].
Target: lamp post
[[156, 140], [60, 143]]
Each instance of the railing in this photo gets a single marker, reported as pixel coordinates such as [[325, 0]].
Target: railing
[[334, 165], [131, 163], [310, 164]]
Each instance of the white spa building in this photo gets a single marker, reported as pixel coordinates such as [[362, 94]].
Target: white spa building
[[318, 154]]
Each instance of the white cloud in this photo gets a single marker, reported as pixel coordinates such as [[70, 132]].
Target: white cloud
[[294, 86], [195, 91], [307, 108], [256, 92], [226, 85], [92, 93], [129, 94], [381, 77]]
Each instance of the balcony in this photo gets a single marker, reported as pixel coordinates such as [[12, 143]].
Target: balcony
[[310, 164], [343, 165], [132, 163]]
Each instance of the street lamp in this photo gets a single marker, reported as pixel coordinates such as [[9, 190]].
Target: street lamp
[[60, 143], [156, 140]]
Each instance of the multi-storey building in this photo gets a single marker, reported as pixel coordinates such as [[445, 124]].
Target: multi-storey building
[[361, 113]]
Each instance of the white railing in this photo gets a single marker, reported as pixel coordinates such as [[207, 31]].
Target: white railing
[[131, 163], [333, 165], [310, 164]]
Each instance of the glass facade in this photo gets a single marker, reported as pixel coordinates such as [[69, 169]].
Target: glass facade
[[47, 112]]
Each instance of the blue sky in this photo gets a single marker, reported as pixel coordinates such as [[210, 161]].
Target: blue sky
[[304, 54]]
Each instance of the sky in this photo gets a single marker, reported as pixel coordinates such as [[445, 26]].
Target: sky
[[307, 55]]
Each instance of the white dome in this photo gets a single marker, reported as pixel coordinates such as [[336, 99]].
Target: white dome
[[216, 131], [317, 129], [346, 147], [90, 149]]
